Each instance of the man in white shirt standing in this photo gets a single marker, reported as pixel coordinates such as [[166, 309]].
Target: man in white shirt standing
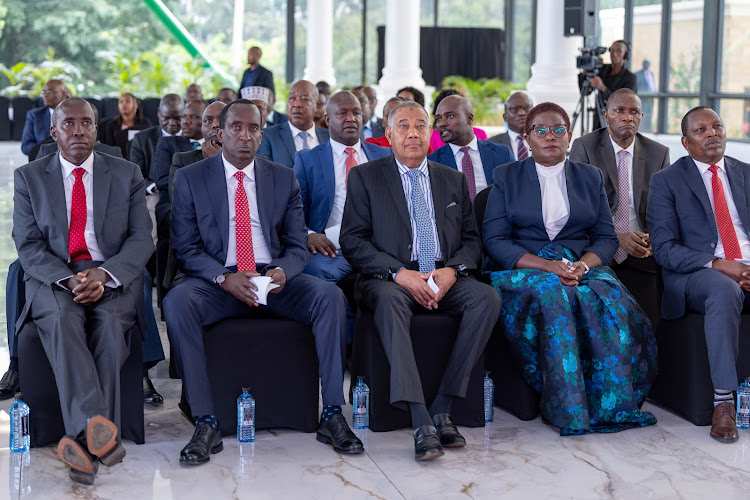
[[699, 215]]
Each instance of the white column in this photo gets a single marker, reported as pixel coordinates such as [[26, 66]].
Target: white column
[[401, 48], [320, 42], [554, 76], [238, 23]]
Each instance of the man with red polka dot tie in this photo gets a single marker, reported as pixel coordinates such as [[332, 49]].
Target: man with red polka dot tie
[[83, 235], [236, 216]]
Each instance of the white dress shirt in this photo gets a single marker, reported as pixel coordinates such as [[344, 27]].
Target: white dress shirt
[[480, 181], [634, 225], [339, 171], [736, 222], [555, 203], [312, 137], [89, 233], [514, 143], [260, 249]]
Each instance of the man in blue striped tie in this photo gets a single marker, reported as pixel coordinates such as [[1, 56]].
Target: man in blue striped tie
[[407, 219]]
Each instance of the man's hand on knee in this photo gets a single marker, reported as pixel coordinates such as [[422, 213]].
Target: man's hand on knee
[[241, 288], [738, 271], [416, 284]]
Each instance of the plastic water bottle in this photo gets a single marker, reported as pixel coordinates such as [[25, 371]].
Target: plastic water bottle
[[743, 404], [19, 426], [245, 417], [489, 398], [361, 403]]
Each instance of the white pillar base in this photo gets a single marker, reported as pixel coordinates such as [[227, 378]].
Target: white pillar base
[[320, 42]]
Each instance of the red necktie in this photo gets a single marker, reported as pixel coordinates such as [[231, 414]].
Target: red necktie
[[243, 228], [467, 166], [523, 151], [723, 219], [351, 161], [77, 247]]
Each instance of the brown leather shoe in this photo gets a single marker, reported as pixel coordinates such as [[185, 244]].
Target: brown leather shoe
[[723, 424]]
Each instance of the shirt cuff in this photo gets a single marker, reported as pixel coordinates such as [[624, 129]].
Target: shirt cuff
[[709, 264], [151, 188], [310, 231], [114, 282], [60, 283]]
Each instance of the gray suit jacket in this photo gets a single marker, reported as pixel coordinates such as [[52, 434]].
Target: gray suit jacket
[[40, 222], [648, 158], [503, 138]]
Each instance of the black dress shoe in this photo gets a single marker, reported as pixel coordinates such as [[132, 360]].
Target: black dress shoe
[[336, 431], [10, 384], [205, 442], [83, 465], [149, 393], [427, 443], [447, 431]]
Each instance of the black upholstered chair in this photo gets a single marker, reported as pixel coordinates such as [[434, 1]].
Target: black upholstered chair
[[5, 128], [276, 358], [21, 106], [150, 107], [40, 389]]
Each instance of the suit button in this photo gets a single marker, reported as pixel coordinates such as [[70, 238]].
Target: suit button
[[223, 262], [713, 245], [409, 247]]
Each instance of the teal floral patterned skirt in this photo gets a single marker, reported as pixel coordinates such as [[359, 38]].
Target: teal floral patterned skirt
[[589, 350]]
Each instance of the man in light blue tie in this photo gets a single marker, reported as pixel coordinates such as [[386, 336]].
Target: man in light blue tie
[[407, 219]]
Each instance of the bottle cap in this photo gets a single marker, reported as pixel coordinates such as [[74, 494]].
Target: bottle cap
[[246, 389], [360, 378], [487, 373]]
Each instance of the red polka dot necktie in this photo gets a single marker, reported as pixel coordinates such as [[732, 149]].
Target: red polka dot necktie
[[351, 160], [723, 219], [77, 247], [243, 228], [467, 167]]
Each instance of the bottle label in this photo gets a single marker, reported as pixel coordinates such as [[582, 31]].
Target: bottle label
[[25, 425], [744, 404], [247, 417], [361, 405]]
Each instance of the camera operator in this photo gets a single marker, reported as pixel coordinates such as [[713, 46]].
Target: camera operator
[[613, 76]]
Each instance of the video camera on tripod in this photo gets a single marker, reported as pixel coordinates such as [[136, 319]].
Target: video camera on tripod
[[590, 60]]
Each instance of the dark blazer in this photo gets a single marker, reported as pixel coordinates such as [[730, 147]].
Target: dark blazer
[[648, 158], [376, 233], [36, 128], [40, 222], [180, 160], [503, 139], [513, 223], [165, 149], [683, 226], [278, 118], [200, 218], [51, 147], [491, 154], [264, 78], [278, 144], [143, 148], [317, 180]]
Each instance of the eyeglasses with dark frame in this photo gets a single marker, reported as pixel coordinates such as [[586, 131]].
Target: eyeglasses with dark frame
[[516, 109], [557, 130]]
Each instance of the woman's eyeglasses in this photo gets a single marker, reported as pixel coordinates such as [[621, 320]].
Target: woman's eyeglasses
[[557, 130]]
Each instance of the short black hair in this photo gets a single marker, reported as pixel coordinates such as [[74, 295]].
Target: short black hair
[[418, 95], [225, 110], [686, 118]]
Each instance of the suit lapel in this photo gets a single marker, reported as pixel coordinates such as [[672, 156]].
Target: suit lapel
[[102, 180], [286, 135], [532, 178], [393, 180], [264, 193], [488, 160], [736, 178], [695, 183], [607, 158], [447, 158], [216, 184], [437, 185], [329, 176], [639, 175], [53, 182]]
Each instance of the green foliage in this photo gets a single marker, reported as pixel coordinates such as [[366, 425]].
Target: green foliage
[[28, 79], [486, 96]]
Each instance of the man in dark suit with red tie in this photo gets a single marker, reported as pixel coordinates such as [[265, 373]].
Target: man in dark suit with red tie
[[84, 278], [698, 214], [255, 227]]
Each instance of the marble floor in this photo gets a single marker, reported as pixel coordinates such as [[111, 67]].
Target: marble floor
[[508, 458]]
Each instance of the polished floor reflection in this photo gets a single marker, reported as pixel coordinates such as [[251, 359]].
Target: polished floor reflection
[[506, 459]]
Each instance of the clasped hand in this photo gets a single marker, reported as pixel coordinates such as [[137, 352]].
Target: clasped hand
[[635, 243], [88, 285], [570, 275], [738, 271], [416, 284], [240, 286]]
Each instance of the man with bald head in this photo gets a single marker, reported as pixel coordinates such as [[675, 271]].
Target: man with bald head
[[226, 95], [463, 151], [517, 106], [372, 127], [322, 172], [699, 215], [281, 142], [193, 92], [38, 121], [83, 237], [257, 227], [143, 148]]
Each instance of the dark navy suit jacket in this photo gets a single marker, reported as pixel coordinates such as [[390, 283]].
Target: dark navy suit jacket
[[36, 128], [682, 225], [200, 218], [165, 149], [491, 154], [317, 180], [513, 223], [278, 144]]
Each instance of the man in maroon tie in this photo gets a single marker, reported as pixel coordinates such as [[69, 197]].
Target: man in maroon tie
[[83, 236], [463, 151], [236, 216], [699, 214]]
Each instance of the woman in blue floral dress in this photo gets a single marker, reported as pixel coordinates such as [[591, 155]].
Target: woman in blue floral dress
[[582, 340]]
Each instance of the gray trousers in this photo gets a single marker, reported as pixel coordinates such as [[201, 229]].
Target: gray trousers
[[86, 348], [721, 300], [475, 304]]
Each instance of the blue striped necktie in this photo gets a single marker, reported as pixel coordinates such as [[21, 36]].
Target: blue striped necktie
[[425, 234]]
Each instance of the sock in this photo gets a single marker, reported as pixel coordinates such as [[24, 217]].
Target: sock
[[441, 404], [329, 411], [13, 364], [722, 396], [419, 415], [207, 420]]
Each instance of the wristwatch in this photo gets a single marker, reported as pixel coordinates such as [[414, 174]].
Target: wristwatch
[[220, 279], [461, 271]]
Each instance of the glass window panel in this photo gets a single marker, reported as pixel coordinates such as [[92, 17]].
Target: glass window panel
[[646, 45], [650, 108], [471, 13], [686, 43], [736, 116], [300, 45], [735, 65], [347, 42], [611, 23], [522, 17], [426, 12], [375, 18], [676, 109]]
